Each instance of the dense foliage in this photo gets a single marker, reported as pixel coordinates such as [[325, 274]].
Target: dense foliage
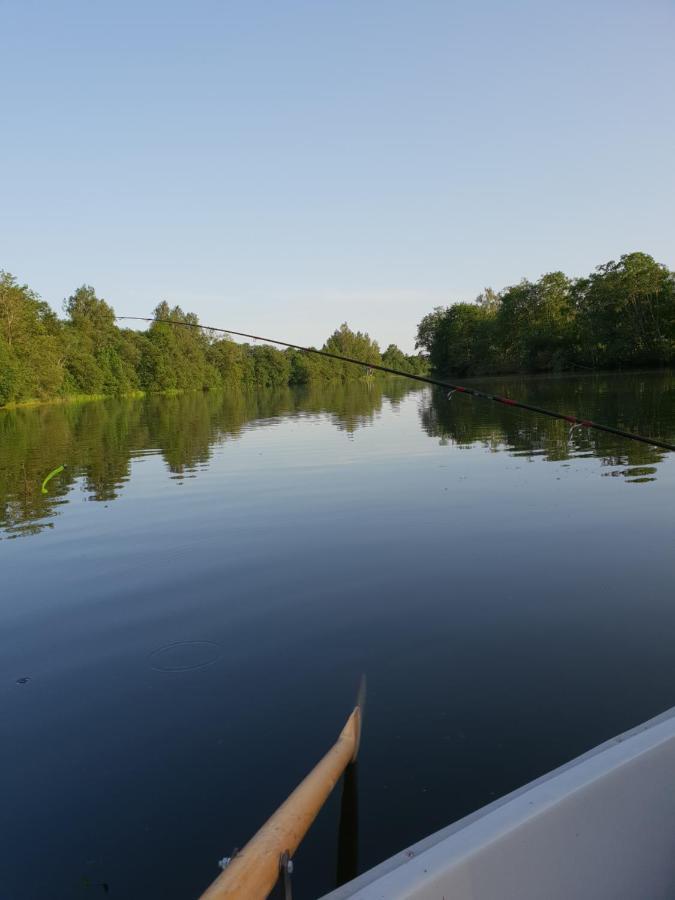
[[42, 356], [620, 316]]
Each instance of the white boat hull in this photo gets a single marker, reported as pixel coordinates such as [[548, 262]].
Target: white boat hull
[[601, 827]]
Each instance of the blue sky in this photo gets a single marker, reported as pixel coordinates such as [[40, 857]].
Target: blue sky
[[284, 166]]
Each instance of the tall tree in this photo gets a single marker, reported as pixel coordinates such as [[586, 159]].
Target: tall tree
[[94, 359], [177, 358], [397, 359], [626, 312], [354, 344], [534, 323], [459, 338], [31, 352]]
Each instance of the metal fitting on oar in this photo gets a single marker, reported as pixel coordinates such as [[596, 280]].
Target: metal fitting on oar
[[286, 870], [226, 860]]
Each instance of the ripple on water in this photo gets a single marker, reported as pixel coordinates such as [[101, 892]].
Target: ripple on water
[[184, 656]]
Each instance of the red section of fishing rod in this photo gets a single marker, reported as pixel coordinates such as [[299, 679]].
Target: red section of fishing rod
[[461, 389]]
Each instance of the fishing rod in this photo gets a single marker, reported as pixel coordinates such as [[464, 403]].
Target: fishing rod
[[574, 421]]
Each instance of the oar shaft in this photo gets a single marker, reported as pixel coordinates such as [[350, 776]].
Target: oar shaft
[[254, 871]]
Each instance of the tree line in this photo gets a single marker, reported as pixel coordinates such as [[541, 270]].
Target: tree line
[[620, 316], [43, 356]]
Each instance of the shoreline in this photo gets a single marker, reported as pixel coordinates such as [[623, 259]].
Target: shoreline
[[69, 399]]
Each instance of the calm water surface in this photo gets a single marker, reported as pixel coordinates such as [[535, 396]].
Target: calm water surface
[[185, 614]]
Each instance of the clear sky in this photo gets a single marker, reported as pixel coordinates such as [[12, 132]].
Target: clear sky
[[283, 166]]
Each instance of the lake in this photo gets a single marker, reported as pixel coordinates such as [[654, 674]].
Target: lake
[[188, 608]]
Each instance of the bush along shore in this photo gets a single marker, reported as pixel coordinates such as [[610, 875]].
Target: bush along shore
[[85, 355]]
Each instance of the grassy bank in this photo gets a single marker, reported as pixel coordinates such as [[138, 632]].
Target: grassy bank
[[73, 398]]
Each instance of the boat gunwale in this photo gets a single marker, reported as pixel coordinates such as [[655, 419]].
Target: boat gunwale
[[621, 749]]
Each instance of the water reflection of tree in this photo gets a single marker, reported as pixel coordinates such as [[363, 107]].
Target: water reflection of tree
[[96, 441], [92, 440], [351, 406], [644, 404]]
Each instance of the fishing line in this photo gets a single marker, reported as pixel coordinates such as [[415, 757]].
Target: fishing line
[[425, 379]]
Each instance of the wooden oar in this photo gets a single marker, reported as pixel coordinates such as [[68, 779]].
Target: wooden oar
[[253, 872]]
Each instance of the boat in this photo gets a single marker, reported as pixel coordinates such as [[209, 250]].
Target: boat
[[601, 827]]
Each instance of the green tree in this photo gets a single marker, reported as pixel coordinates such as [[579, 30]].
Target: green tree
[[535, 324], [429, 332], [397, 359], [175, 357], [31, 350], [354, 345], [459, 338], [308, 368], [271, 367], [95, 360], [626, 313], [489, 299], [229, 360]]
